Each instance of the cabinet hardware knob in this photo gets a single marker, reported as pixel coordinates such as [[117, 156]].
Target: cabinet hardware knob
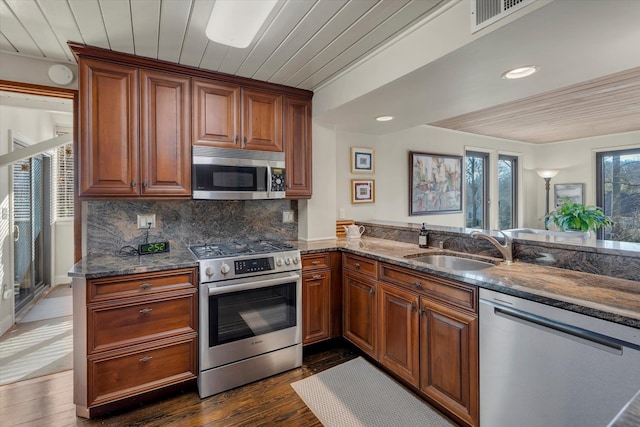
[[372, 291], [420, 311], [133, 184], [145, 359], [418, 285], [357, 266], [245, 139], [146, 285], [236, 139], [315, 262], [144, 183], [413, 306], [146, 310]]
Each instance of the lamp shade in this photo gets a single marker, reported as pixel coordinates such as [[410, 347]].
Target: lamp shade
[[547, 173]]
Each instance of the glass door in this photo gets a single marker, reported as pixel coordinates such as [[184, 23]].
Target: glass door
[[29, 229]]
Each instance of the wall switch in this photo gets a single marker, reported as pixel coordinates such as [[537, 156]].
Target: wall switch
[[341, 214], [147, 221], [287, 216]]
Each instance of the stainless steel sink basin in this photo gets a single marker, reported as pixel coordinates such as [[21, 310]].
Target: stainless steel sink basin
[[451, 262]]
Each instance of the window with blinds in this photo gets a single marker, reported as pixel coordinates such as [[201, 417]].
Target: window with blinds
[[63, 178]]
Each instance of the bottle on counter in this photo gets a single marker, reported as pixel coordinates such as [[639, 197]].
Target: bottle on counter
[[423, 237]]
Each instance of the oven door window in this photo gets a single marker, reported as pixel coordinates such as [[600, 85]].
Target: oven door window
[[231, 178], [238, 315]]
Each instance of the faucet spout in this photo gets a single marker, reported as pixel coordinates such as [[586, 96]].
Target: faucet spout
[[506, 250]]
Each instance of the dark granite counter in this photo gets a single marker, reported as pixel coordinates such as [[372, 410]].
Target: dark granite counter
[[608, 298], [629, 416], [105, 265]]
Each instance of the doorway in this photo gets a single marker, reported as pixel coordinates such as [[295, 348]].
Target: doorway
[[31, 231]]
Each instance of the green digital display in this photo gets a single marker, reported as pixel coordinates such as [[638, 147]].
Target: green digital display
[[153, 248]]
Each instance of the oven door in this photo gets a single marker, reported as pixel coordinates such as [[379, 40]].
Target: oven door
[[246, 317]]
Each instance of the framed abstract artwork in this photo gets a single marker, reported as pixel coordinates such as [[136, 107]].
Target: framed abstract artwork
[[363, 191], [573, 192], [435, 183], [362, 160]]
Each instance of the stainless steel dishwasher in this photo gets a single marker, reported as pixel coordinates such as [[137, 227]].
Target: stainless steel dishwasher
[[542, 366]]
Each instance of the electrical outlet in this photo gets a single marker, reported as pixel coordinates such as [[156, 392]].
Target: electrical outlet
[[287, 216], [341, 215], [147, 221]]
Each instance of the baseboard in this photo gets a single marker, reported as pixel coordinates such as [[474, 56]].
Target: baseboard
[[5, 324], [61, 280]]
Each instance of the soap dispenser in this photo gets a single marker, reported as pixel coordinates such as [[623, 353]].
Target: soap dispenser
[[423, 237]]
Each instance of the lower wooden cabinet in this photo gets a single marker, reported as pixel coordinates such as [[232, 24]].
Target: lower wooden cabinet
[[132, 335], [316, 306], [360, 316]]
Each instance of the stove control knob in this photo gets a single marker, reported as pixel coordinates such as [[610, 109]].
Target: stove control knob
[[296, 260], [279, 262], [288, 260], [209, 271], [224, 268]]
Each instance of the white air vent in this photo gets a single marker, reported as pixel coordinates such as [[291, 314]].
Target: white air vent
[[486, 12]]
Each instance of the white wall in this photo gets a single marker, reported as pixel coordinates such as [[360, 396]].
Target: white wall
[[36, 125], [30, 70]]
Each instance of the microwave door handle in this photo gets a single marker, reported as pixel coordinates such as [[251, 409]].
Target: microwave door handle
[[269, 178]]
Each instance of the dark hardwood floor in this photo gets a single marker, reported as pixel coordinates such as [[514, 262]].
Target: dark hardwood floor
[[48, 401]]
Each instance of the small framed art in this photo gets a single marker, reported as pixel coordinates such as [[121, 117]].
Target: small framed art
[[362, 160], [573, 192], [363, 191]]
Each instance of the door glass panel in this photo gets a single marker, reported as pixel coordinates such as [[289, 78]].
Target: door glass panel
[[476, 189], [507, 174], [238, 315]]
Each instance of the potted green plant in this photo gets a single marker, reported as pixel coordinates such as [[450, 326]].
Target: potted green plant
[[572, 216]]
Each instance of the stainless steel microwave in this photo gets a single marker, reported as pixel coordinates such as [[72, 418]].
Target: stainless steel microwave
[[232, 174]]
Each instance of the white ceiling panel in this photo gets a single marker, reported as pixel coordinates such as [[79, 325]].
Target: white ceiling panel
[[174, 17], [29, 14], [290, 16], [145, 17], [117, 20], [89, 18], [317, 17], [359, 29], [194, 44], [5, 45], [213, 56], [62, 22], [16, 33]]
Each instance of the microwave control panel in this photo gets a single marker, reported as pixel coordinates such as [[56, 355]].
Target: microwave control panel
[[277, 179]]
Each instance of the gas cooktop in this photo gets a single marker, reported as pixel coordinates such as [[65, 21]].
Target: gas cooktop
[[231, 249]]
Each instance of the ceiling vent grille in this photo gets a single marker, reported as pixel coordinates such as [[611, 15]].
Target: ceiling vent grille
[[486, 12]]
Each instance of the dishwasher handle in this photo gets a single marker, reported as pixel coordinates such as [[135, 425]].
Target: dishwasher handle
[[592, 339]]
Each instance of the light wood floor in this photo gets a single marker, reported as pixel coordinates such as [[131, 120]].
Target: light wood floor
[[48, 401]]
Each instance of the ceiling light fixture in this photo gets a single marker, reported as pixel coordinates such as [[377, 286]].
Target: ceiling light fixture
[[236, 22], [384, 118], [520, 72]]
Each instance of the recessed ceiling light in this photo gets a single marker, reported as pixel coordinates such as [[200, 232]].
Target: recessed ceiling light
[[520, 72], [384, 118]]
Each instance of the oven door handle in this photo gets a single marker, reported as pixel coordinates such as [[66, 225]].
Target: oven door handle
[[248, 283]]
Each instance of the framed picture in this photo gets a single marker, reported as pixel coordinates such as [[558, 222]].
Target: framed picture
[[573, 192], [363, 191], [435, 183], [362, 160]]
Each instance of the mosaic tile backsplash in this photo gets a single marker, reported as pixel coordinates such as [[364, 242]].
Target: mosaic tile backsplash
[[113, 224]]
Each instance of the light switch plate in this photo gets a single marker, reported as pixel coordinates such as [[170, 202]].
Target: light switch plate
[[145, 220], [287, 216]]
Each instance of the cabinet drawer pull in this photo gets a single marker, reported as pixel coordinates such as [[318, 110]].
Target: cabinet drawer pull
[[146, 310], [145, 359], [317, 276], [418, 286], [315, 262], [357, 265], [133, 184], [146, 286]]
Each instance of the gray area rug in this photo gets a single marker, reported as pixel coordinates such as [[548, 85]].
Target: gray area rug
[[356, 393]]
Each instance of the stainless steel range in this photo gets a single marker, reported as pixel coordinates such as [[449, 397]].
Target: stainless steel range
[[250, 312]]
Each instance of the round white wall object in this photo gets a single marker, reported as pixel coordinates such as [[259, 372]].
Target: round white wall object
[[60, 74]]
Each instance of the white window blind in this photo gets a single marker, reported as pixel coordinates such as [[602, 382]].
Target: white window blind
[[63, 178]]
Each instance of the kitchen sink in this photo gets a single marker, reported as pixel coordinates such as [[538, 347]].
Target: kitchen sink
[[452, 262]]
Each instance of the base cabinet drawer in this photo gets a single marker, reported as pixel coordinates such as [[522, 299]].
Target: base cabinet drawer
[[123, 375], [140, 284], [121, 325]]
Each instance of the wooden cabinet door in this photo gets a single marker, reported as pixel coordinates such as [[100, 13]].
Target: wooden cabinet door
[[398, 332], [316, 306], [261, 121], [165, 144], [216, 114], [449, 359], [297, 147], [360, 312], [108, 143]]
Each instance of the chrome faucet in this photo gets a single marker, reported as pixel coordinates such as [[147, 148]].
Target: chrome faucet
[[506, 250]]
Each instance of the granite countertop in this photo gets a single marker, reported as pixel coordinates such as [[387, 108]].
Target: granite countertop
[[604, 297], [108, 264]]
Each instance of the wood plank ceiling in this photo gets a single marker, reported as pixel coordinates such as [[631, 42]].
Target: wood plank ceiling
[[603, 106], [304, 44]]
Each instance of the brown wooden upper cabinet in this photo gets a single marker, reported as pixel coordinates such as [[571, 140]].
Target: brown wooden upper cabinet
[[297, 146], [228, 116], [134, 132]]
